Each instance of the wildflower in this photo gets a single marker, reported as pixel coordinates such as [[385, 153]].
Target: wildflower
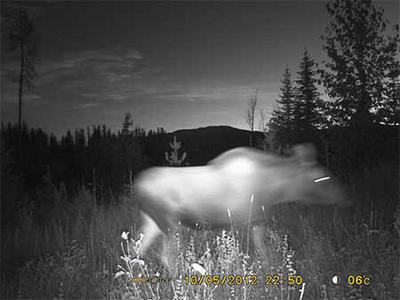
[[124, 235], [137, 244], [137, 261], [198, 268], [141, 235], [119, 273]]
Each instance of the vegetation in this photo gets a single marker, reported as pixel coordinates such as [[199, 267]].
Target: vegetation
[[309, 106], [250, 115], [173, 158], [281, 125], [77, 158], [67, 202], [81, 243], [22, 38], [362, 73]]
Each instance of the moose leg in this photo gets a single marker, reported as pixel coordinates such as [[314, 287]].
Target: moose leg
[[258, 240], [165, 255], [150, 232]]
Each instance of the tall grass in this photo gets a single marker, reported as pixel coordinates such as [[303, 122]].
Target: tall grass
[[78, 252], [72, 254]]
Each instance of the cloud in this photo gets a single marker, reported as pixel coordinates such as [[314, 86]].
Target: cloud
[[81, 68], [10, 97], [99, 75], [34, 99], [118, 97], [86, 105], [90, 95], [217, 92]]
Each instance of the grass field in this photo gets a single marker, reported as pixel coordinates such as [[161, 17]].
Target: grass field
[[78, 252]]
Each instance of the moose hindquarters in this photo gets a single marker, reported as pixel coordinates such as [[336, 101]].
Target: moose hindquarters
[[153, 217]]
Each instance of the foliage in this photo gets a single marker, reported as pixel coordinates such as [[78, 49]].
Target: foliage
[[74, 253], [22, 36], [173, 158], [362, 74], [308, 105], [76, 157], [127, 124], [299, 114], [19, 23], [281, 125], [209, 255]]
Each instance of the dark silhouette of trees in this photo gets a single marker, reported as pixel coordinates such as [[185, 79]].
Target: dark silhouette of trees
[[362, 73], [308, 105], [361, 76], [96, 158], [389, 112], [22, 37], [127, 124], [298, 116], [281, 125], [132, 156]]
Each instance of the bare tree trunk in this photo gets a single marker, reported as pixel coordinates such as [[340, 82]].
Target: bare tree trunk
[[21, 81], [250, 114], [20, 90]]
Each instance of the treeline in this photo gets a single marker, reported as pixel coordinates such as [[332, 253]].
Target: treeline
[[360, 79], [353, 140], [354, 121], [95, 157], [349, 104]]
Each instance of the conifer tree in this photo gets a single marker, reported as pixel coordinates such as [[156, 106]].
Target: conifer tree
[[173, 158], [389, 112], [308, 105], [281, 125], [19, 24], [127, 124], [362, 63]]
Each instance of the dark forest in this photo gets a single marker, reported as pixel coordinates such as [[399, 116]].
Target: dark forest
[[70, 214]]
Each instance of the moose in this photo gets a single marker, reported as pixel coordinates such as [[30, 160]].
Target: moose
[[234, 188]]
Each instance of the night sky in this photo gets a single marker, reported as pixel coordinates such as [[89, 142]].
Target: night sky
[[172, 65]]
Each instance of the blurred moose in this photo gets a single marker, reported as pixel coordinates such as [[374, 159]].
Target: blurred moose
[[219, 193]]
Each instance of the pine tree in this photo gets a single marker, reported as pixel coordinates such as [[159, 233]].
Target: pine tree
[[127, 124], [389, 111], [308, 105], [281, 124], [361, 59], [173, 158], [19, 24]]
